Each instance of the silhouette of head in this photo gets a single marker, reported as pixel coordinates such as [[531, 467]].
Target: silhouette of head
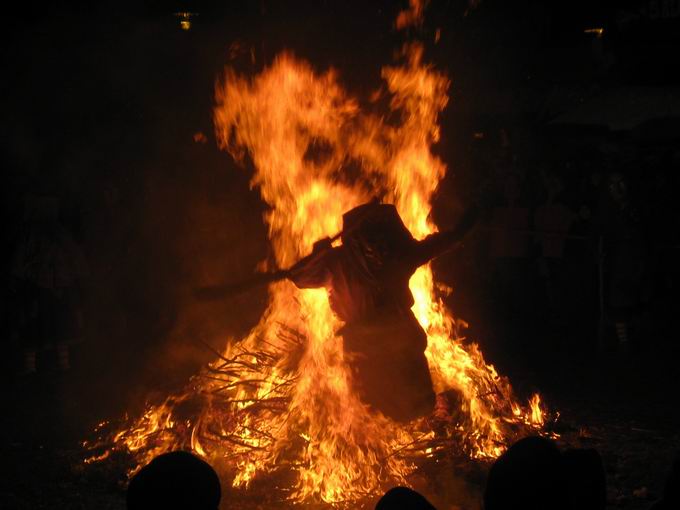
[[375, 230], [586, 478], [174, 481], [403, 498], [528, 476]]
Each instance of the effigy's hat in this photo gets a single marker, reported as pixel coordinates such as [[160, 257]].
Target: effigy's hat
[[374, 219]]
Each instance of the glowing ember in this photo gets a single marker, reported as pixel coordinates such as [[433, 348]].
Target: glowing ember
[[282, 399]]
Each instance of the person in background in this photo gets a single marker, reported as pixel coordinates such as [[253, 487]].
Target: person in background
[[509, 250], [582, 281], [623, 264], [47, 270], [552, 221]]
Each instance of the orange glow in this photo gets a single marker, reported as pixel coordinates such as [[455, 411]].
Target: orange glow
[[282, 398], [597, 32], [185, 19], [413, 15]]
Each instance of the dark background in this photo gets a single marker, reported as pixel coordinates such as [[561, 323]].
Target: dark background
[[101, 102]]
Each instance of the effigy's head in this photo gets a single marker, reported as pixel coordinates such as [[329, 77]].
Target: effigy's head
[[376, 230]]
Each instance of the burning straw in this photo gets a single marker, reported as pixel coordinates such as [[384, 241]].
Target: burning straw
[[282, 399]]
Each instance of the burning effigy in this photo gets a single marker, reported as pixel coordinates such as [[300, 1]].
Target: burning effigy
[[305, 398]]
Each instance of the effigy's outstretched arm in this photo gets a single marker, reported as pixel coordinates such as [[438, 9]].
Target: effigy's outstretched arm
[[312, 271], [439, 243], [308, 273]]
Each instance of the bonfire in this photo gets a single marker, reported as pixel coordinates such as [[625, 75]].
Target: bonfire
[[280, 404]]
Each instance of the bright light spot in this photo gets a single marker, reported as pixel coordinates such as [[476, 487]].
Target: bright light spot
[[185, 19], [598, 32]]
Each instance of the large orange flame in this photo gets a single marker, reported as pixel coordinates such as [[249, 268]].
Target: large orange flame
[[282, 398]]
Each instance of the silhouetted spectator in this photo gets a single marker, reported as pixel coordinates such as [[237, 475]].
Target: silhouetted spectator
[[620, 228], [510, 223], [403, 498], [671, 493], [660, 218], [509, 245], [582, 279], [586, 479], [591, 190], [175, 481], [528, 476], [48, 268], [552, 221]]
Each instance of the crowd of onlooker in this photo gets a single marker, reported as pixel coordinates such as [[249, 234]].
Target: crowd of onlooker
[[587, 247], [533, 474]]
